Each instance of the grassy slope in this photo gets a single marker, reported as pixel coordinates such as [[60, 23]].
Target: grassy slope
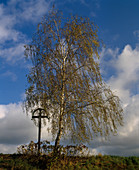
[[16, 161]]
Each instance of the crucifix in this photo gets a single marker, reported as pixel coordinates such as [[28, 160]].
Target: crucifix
[[39, 116]]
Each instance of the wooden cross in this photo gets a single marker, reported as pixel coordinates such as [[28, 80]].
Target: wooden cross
[[39, 117]]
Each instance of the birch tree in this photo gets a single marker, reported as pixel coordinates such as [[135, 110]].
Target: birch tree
[[65, 78]]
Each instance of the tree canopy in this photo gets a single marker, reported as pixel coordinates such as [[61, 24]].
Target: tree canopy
[[65, 79]]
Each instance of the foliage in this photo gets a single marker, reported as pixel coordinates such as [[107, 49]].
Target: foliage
[[65, 79]]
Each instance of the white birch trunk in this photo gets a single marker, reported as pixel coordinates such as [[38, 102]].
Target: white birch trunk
[[57, 142]]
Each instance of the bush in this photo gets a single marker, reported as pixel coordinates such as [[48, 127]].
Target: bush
[[32, 148], [47, 149]]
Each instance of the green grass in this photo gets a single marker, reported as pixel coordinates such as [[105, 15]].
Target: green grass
[[32, 162]]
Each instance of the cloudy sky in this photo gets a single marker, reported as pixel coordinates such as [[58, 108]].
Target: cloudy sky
[[118, 27]]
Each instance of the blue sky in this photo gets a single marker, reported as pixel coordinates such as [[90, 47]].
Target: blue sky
[[118, 27]]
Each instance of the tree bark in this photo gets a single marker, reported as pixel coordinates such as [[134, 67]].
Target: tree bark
[[57, 142], [59, 134]]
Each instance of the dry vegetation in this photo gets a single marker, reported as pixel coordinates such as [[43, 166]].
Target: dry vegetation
[[20, 161]]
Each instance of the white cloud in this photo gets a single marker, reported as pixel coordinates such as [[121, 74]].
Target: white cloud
[[13, 50], [131, 118], [31, 10], [12, 16], [6, 27], [128, 61], [34, 10], [2, 111], [9, 74], [125, 84], [4, 148], [127, 66], [13, 54], [16, 128]]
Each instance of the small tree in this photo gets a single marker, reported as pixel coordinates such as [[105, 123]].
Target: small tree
[[65, 78]]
